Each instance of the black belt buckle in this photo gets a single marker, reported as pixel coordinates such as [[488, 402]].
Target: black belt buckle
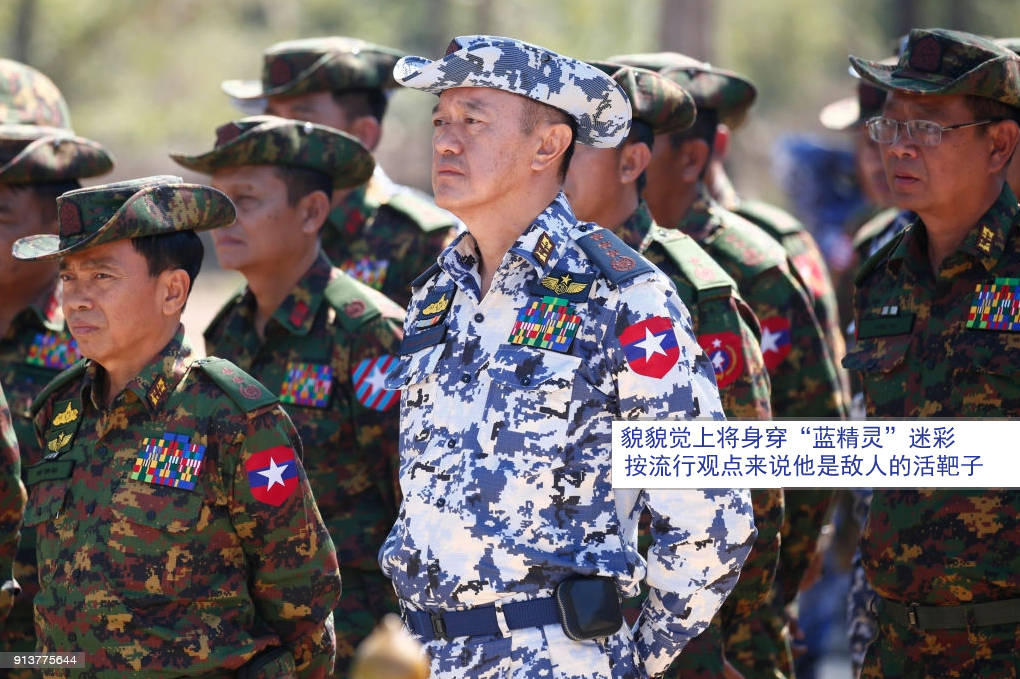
[[438, 626], [589, 607]]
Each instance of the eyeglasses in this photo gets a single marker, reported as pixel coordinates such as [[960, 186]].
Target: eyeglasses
[[922, 132]]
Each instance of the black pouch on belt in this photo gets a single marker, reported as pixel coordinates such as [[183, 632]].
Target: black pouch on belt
[[589, 607], [273, 663]]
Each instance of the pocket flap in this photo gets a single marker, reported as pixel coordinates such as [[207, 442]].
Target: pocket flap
[[415, 368], [527, 368], [877, 355]]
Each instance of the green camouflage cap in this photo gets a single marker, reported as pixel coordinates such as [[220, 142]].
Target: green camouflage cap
[[34, 154], [269, 140], [943, 62], [656, 101], [330, 64], [729, 94], [139, 207], [28, 97], [854, 111]]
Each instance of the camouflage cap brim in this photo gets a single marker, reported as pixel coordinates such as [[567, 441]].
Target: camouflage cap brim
[[589, 96], [244, 91], [655, 100], [35, 154], [149, 206], [269, 140]]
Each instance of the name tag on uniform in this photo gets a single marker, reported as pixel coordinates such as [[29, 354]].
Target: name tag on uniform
[[884, 326], [50, 470]]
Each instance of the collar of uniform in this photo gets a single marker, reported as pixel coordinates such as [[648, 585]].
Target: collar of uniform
[[698, 220], [637, 227], [297, 312], [553, 226], [351, 215], [987, 241], [159, 378]]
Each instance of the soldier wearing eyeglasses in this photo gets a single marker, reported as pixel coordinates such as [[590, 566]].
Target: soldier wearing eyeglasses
[[938, 329]]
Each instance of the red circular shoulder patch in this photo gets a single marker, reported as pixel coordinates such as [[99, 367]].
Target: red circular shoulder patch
[[723, 349]]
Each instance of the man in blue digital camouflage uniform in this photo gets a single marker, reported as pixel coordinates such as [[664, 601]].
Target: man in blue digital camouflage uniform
[[527, 338]]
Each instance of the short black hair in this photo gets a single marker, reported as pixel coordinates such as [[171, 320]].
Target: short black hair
[[300, 181], [640, 133], [169, 251], [48, 192], [984, 108], [536, 112], [704, 128], [362, 102]]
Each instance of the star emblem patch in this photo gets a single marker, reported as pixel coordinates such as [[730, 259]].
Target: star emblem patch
[[775, 341], [369, 378], [650, 346], [272, 475], [723, 349]]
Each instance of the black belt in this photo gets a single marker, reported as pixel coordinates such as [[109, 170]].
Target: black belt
[[1003, 612], [482, 620]]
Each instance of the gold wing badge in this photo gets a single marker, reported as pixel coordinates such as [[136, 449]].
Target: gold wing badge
[[564, 285], [59, 442], [437, 307]]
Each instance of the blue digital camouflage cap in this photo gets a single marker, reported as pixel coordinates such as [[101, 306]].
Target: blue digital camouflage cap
[[589, 96]]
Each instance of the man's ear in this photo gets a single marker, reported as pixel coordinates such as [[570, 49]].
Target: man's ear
[[368, 130], [174, 286], [721, 143], [553, 143], [691, 160], [313, 208], [634, 158], [1003, 137]]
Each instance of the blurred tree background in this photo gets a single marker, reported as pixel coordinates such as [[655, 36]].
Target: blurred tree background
[[143, 76]]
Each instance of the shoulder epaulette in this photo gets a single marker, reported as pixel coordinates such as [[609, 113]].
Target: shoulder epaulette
[[706, 276], [746, 243], [62, 379], [245, 391], [614, 259], [776, 221], [353, 300], [420, 210], [881, 255], [426, 275]]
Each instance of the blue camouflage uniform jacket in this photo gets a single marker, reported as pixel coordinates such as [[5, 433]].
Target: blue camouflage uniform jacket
[[506, 415]]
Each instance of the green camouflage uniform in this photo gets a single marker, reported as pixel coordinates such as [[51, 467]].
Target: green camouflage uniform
[[942, 344], [176, 531], [36, 346], [324, 352], [383, 234], [12, 508], [28, 97], [336, 328]]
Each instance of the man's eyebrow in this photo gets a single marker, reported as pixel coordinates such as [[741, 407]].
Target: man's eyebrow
[[473, 105], [93, 263]]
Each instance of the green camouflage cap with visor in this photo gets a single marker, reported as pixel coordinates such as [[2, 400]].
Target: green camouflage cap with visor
[[729, 94], [655, 101], [31, 154], [27, 97], [269, 140], [943, 62], [1009, 43], [139, 207], [329, 64]]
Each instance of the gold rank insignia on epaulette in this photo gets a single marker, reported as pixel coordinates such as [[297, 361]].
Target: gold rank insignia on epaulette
[[66, 416], [435, 307], [438, 306], [63, 426], [543, 249], [985, 239], [157, 392]]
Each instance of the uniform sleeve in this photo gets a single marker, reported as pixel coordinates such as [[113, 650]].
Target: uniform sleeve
[[700, 538], [12, 508], [805, 381], [295, 577], [747, 395]]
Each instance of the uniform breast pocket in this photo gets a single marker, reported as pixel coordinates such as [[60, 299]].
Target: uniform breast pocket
[[986, 372], [528, 406], [880, 361], [156, 531], [417, 378], [45, 512]]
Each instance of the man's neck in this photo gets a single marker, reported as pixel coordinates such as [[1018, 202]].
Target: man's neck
[[117, 374], [946, 231], [273, 282], [675, 212], [496, 227], [16, 299], [621, 210], [719, 185]]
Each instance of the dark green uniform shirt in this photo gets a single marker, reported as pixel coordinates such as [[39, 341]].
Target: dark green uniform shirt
[[177, 534], [12, 507], [386, 237], [943, 344]]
